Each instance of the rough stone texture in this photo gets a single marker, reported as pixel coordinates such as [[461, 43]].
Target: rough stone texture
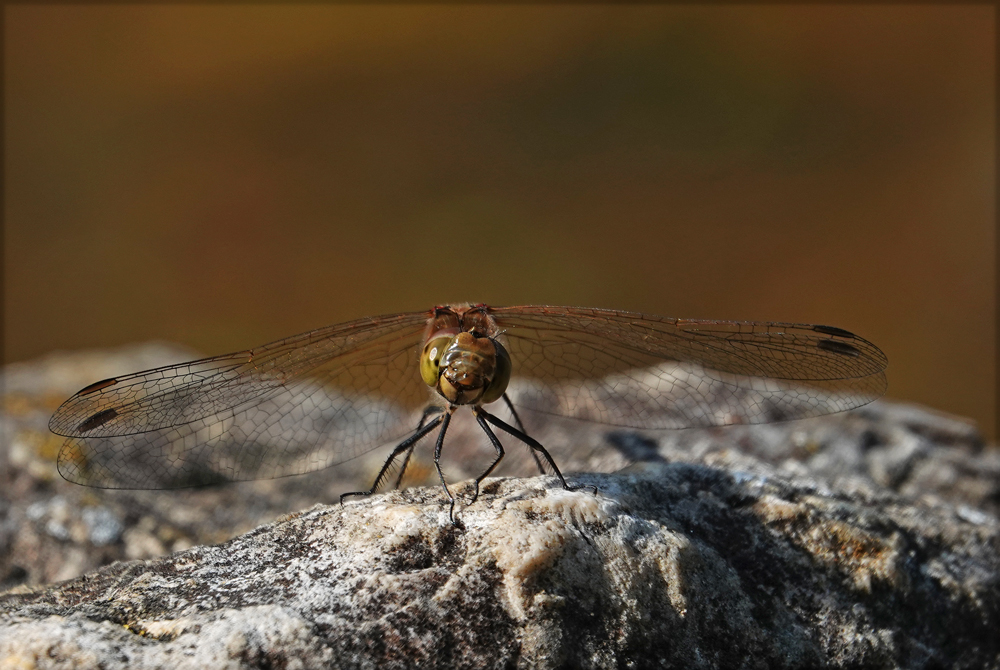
[[677, 565], [867, 539]]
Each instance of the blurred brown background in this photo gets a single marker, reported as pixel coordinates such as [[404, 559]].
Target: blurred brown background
[[224, 176]]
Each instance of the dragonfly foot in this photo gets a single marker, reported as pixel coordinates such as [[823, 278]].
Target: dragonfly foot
[[475, 494], [579, 487], [354, 493]]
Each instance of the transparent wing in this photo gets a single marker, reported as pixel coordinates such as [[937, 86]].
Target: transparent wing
[[642, 371], [289, 407], [324, 397]]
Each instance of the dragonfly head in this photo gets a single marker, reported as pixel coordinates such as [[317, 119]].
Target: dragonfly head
[[465, 368]]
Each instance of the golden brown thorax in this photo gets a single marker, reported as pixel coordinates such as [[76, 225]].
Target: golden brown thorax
[[462, 359]]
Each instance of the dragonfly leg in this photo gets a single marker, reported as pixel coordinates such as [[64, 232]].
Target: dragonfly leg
[[496, 445], [520, 427], [430, 410], [444, 420], [405, 445], [536, 447], [402, 468]]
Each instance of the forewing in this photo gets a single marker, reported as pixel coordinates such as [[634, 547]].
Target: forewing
[[641, 371], [293, 406]]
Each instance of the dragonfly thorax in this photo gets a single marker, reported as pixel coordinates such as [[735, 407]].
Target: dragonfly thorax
[[465, 368]]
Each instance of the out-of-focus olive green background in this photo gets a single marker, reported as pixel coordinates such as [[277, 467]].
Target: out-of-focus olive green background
[[222, 176]]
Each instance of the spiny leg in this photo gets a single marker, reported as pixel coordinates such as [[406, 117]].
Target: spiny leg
[[535, 447], [444, 420], [479, 412], [402, 468], [429, 410], [408, 443], [520, 426]]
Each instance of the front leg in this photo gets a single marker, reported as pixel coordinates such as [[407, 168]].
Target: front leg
[[444, 420]]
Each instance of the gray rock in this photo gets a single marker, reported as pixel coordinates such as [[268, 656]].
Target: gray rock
[[672, 565]]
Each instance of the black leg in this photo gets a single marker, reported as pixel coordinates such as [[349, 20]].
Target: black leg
[[496, 445], [402, 468], [535, 446], [408, 443], [431, 409], [520, 426], [444, 420]]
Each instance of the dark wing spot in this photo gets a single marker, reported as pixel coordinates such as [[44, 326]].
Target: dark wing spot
[[836, 332], [838, 347], [776, 414], [96, 420], [97, 386]]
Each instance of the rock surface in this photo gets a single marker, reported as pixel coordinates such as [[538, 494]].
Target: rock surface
[[676, 565], [866, 539]]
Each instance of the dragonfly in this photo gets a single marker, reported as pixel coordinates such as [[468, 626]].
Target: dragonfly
[[324, 397]]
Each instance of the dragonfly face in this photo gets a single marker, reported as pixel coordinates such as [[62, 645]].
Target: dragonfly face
[[463, 360]]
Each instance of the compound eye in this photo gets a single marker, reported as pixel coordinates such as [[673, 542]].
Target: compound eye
[[430, 359], [501, 375]]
